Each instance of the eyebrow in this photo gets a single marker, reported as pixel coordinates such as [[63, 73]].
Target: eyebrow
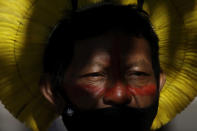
[[100, 65], [136, 63], [140, 62]]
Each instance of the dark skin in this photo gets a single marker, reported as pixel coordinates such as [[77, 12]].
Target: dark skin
[[108, 70]]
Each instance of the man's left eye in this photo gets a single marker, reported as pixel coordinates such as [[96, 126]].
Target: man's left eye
[[140, 73], [137, 73]]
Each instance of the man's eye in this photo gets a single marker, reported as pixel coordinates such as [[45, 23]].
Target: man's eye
[[92, 77], [137, 73], [95, 74]]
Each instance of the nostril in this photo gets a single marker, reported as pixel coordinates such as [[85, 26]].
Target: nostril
[[117, 96]]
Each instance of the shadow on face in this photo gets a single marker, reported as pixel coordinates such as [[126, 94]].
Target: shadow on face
[[111, 69], [111, 80]]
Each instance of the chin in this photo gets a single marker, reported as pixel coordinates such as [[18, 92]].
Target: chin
[[115, 118]]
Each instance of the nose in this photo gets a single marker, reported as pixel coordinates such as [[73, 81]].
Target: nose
[[117, 95]]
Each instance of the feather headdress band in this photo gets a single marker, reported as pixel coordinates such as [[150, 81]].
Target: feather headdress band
[[24, 29]]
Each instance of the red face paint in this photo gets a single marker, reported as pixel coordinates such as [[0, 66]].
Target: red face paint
[[143, 90], [117, 94]]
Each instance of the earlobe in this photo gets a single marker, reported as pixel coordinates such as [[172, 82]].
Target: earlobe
[[56, 100], [162, 80], [45, 88]]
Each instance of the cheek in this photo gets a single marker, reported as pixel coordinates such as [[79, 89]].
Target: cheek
[[84, 97], [86, 91], [94, 91], [148, 90]]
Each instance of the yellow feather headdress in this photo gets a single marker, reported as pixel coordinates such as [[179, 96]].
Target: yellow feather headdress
[[24, 29]]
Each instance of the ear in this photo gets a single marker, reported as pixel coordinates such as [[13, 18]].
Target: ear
[[162, 80], [45, 88]]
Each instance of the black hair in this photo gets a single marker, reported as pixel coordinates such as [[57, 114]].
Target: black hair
[[90, 22]]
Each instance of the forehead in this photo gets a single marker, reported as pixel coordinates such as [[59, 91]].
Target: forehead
[[118, 45]]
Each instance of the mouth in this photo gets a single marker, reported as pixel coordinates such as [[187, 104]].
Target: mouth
[[112, 118]]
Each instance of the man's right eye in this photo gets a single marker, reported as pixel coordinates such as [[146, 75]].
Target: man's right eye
[[92, 77], [94, 74]]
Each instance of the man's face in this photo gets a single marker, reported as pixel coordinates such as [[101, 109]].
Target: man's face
[[112, 70]]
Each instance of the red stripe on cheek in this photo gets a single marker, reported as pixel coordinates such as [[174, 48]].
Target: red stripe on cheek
[[143, 90]]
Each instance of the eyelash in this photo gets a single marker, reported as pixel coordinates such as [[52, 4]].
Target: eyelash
[[95, 74], [138, 73]]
